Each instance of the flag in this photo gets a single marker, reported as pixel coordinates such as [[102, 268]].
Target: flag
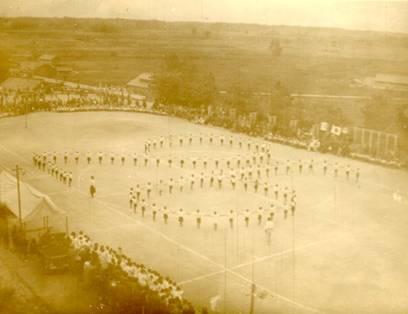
[[336, 130], [324, 126]]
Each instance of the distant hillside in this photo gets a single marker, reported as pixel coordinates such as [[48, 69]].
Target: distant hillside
[[306, 60]]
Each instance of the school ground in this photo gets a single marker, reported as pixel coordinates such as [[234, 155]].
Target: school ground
[[344, 251]]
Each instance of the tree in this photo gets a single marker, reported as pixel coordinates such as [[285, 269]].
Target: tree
[[182, 83], [379, 115], [194, 31], [241, 99], [275, 47]]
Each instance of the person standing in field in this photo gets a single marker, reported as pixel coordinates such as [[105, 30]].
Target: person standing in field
[[131, 198], [247, 215], [154, 211], [268, 229], [138, 191], [215, 220], [76, 157], [100, 157], [165, 215], [70, 179], [324, 167], [202, 180], [171, 185], [348, 172], [260, 215], [276, 190], [112, 158], [198, 218], [181, 217], [231, 217], [92, 187], [149, 188]]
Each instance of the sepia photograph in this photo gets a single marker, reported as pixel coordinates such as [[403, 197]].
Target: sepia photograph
[[203, 157]]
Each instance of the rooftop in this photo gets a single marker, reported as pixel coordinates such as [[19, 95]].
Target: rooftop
[[392, 79], [47, 57], [17, 83], [144, 80]]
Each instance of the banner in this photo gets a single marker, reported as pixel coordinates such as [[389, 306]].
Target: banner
[[272, 120], [233, 113], [252, 117], [293, 124], [209, 110]]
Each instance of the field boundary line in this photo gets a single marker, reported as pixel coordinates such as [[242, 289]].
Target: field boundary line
[[261, 259]]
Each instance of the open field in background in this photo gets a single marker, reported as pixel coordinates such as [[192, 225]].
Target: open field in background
[[313, 60], [344, 252]]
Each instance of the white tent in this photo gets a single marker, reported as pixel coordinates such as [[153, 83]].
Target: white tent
[[35, 206]]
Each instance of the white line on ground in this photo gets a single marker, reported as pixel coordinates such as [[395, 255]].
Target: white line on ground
[[261, 259]]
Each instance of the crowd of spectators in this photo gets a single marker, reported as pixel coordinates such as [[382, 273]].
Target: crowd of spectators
[[121, 284], [67, 100], [127, 286]]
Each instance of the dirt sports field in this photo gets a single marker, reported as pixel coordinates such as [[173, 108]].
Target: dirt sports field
[[346, 242]]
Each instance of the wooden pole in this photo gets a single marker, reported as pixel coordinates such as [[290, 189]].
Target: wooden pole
[[26, 116], [253, 288], [252, 304], [66, 226], [19, 195], [225, 267]]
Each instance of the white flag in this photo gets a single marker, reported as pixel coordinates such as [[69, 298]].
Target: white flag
[[336, 130], [324, 126]]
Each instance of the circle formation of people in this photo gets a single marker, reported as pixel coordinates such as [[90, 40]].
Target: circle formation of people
[[250, 170]]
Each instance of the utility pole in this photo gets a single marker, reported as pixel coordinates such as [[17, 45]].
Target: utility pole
[[252, 304], [26, 116], [253, 287], [19, 195]]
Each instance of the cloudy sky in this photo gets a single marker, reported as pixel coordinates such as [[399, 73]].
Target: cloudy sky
[[390, 15]]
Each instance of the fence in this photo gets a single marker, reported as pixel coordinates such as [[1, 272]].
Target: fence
[[375, 143]]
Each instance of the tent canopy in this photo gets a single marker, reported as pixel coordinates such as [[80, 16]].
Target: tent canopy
[[34, 204]]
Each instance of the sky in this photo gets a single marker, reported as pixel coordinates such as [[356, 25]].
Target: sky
[[388, 16]]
